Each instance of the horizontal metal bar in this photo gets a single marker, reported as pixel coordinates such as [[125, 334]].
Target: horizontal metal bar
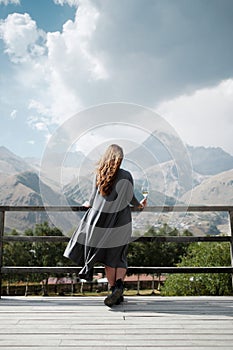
[[35, 239], [177, 208], [43, 208], [44, 269], [184, 239], [192, 208], [131, 269], [177, 239], [183, 269]]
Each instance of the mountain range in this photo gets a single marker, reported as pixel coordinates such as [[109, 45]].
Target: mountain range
[[212, 183]]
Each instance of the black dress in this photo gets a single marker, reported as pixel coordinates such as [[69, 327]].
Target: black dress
[[106, 228]]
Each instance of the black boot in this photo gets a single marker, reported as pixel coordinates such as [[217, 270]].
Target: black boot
[[119, 284], [108, 300], [120, 300], [117, 293]]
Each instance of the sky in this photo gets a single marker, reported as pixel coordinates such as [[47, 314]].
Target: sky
[[60, 57]]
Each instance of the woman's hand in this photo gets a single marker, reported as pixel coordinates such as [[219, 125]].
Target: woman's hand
[[86, 204], [143, 203]]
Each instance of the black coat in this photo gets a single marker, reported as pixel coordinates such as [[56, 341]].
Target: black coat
[[106, 228]]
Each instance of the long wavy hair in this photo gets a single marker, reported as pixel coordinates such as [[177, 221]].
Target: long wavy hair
[[107, 169]]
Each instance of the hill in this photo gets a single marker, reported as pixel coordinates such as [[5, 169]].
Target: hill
[[210, 160], [24, 190], [216, 190], [12, 164], [20, 185], [165, 179]]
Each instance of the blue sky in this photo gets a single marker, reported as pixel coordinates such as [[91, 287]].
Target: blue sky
[[58, 57], [48, 15]]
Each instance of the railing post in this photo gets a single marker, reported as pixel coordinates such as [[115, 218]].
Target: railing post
[[231, 228], [2, 217], [138, 284], [153, 284]]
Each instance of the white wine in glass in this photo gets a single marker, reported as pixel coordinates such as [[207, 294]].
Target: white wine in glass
[[145, 191]]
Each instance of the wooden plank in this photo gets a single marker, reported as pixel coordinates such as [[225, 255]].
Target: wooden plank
[[80, 323]]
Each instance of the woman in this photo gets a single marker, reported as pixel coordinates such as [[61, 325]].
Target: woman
[[106, 228]]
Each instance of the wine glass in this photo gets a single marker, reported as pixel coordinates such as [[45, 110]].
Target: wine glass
[[145, 190]]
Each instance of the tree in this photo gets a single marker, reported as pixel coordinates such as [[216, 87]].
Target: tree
[[202, 254], [157, 253], [17, 254], [47, 253], [35, 253]]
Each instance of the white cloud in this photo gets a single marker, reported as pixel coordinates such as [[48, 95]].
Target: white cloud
[[22, 38], [6, 2], [127, 134], [31, 142], [71, 63], [13, 114], [38, 122], [102, 56], [41, 126], [204, 117], [56, 67], [69, 2], [39, 107], [70, 52]]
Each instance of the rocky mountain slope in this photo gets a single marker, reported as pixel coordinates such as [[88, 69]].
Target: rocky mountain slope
[[11, 163], [210, 160], [215, 190], [205, 160], [23, 189]]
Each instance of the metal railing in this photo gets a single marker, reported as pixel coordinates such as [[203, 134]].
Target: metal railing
[[137, 269]]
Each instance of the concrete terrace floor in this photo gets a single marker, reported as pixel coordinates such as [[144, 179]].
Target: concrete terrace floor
[[153, 322]]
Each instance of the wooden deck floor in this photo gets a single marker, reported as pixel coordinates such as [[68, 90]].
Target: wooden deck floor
[[46, 323]]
